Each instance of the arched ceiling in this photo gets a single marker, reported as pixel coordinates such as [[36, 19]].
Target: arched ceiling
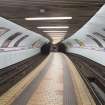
[[80, 10], [92, 31], [13, 35]]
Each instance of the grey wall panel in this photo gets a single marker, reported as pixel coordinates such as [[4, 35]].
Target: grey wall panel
[[12, 57], [14, 47], [14, 28]]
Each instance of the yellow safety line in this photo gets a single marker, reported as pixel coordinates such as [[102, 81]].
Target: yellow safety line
[[8, 97], [82, 93]]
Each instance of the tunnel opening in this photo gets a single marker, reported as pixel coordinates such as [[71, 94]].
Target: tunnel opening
[[45, 49], [61, 48]]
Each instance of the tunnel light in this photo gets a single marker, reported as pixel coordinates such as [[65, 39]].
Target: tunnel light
[[49, 18], [56, 35], [55, 41], [55, 27], [53, 35], [58, 38], [55, 31]]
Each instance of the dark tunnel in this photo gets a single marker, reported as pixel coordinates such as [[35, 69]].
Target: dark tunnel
[[61, 48], [45, 49]]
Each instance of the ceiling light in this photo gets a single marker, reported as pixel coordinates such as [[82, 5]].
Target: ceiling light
[[55, 31], [42, 10], [50, 27], [55, 41], [57, 38], [48, 18], [57, 35]]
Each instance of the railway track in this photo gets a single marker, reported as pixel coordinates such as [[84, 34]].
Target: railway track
[[93, 75], [9, 76]]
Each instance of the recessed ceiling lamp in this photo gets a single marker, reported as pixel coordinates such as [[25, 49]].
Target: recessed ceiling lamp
[[55, 41], [58, 38], [55, 31], [56, 34], [42, 10], [48, 18], [55, 27]]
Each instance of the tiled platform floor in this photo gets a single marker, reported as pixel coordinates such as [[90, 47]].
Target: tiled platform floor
[[50, 89], [56, 82]]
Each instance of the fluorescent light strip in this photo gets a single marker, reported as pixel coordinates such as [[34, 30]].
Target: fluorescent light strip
[[57, 37], [56, 31], [48, 18], [50, 27], [56, 40], [56, 34]]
